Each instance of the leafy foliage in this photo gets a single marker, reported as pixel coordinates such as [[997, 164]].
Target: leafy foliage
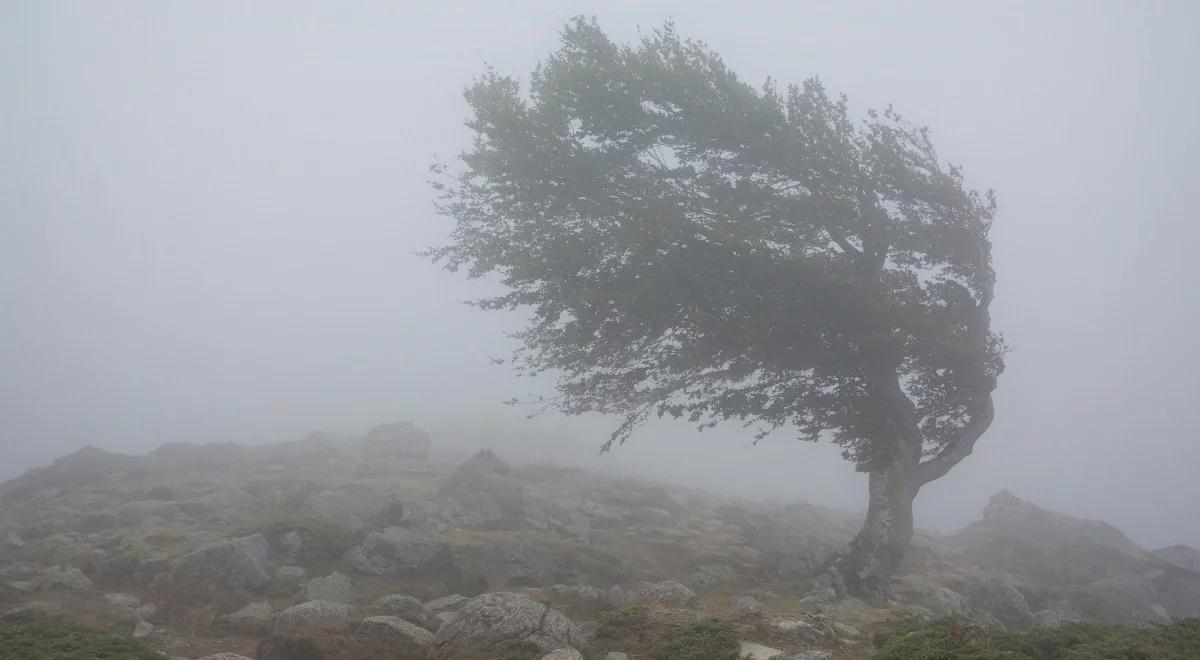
[[692, 246], [950, 640], [63, 641]]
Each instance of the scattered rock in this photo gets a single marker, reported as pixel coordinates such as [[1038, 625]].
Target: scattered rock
[[142, 629], [563, 654]]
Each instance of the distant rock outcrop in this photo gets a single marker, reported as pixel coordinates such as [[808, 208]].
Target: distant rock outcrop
[[397, 440], [1183, 556]]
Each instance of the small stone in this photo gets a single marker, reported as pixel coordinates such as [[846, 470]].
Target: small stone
[[142, 629], [563, 654]]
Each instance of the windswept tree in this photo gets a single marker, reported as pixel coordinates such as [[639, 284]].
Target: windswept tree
[[694, 247]]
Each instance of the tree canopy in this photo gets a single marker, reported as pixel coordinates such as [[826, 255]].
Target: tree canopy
[[694, 246]]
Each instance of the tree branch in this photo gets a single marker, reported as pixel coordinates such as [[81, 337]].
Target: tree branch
[[953, 453]]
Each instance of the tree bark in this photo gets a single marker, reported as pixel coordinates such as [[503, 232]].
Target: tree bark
[[865, 568]]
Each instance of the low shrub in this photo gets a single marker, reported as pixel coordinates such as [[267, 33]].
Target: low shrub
[[61, 641], [709, 639], [949, 639]]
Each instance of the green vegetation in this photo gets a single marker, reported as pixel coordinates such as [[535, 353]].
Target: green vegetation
[[949, 639], [703, 640], [619, 624], [60, 641]]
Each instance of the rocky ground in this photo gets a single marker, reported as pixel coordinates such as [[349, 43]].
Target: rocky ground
[[329, 548]]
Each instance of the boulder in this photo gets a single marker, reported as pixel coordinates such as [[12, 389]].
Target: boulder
[[309, 613], [224, 656], [710, 574], [504, 621], [333, 587], [451, 603], [401, 637], [408, 608], [398, 551], [947, 603], [240, 563], [747, 605], [398, 440], [64, 577], [563, 654], [253, 617], [480, 491], [1000, 598]]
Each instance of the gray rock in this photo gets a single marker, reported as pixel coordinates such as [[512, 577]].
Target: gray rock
[[402, 637], [802, 631], [501, 621], [948, 603], [290, 573], [667, 592], [754, 651], [290, 544], [67, 577], [563, 654], [480, 490], [224, 656], [1128, 599], [451, 603], [142, 629], [616, 655], [1057, 614], [333, 587], [1183, 556], [398, 440], [309, 613], [240, 563], [398, 551], [1000, 598], [747, 605], [348, 505], [711, 574], [253, 617], [408, 608]]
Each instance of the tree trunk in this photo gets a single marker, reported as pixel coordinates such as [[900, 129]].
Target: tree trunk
[[865, 568]]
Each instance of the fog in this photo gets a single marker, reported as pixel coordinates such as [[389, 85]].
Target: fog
[[209, 214]]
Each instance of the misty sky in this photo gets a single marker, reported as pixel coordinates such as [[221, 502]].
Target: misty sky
[[208, 214]]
